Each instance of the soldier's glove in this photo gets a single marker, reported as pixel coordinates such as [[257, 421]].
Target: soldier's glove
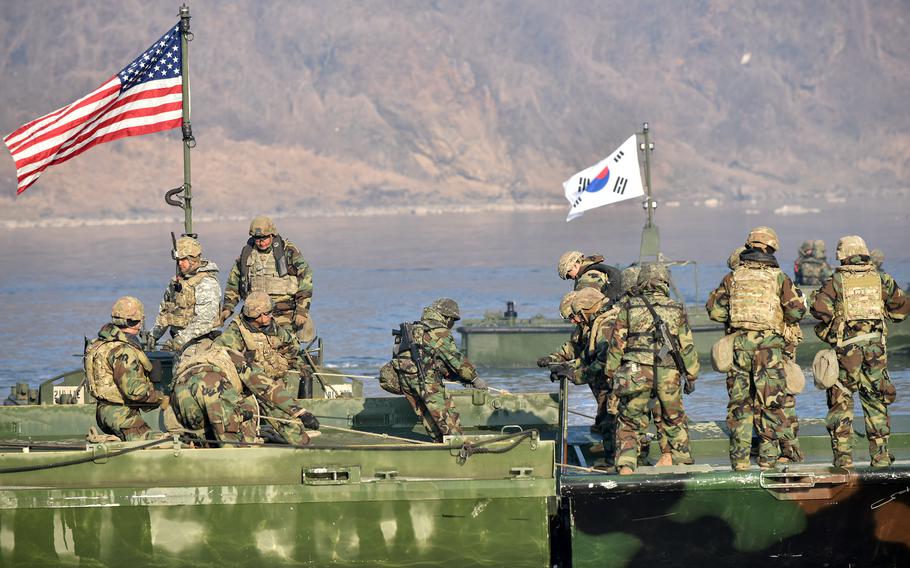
[[300, 319], [562, 371], [479, 383], [310, 422], [689, 387], [544, 362]]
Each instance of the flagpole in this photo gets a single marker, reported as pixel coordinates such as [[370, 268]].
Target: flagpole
[[650, 235], [189, 141]]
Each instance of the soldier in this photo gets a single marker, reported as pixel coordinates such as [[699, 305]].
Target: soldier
[[592, 309], [568, 351], [756, 301], [811, 267], [117, 371], [220, 392], [268, 263], [274, 347], [878, 258], [425, 360], [190, 308], [852, 307], [589, 272], [789, 442], [650, 353]]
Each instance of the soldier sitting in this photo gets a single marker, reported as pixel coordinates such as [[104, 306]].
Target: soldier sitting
[[651, 351], [190, 308], [117, 371]]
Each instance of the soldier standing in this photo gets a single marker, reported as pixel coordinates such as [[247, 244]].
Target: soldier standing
[[569, 350], [219, 392], [274, 347], [428, 357], [756, 301], [590, 272], [878, 258], [650, 353], [190, 308], [117, 371], [268, 263], [852, 307], [811, 267]]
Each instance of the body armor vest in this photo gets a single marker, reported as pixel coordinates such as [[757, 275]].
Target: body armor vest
[[265, 350], [178, 308], [264, 276], [100, 373], [642, 337], [215, 357], [755, 298], [861, 289]]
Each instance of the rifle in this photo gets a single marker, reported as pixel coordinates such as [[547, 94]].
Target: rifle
[[177, 285], [668, 344], [406, 342]]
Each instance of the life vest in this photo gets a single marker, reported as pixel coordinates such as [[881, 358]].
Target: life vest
[[100, 373], [265, 350], [216, 356], [861, 293], [755, 298], [178, 308]]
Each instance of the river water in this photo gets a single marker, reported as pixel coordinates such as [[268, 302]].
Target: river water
[[372, 272]]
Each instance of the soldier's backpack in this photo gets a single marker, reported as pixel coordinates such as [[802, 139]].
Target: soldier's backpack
[[825, 369], [796, 379], [722, 353], [388, 379]]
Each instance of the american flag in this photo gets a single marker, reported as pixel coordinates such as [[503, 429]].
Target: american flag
[[144, 97]]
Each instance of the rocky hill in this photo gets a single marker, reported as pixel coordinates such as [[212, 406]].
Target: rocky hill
[[325, 107]]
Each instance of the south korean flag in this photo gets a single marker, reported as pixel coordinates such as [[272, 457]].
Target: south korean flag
[[615, 178]]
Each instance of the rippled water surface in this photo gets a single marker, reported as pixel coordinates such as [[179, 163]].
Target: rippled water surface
[[371, 273]]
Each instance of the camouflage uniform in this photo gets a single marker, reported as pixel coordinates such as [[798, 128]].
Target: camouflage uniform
[[757, 301], [811, 267], [855, 327], [441, 361], [281, 272], [638, 373], [589, 271], [221, 392], [275, 348], [117, 372], [570, 349]]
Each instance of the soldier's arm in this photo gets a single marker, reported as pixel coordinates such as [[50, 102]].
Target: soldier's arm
[[792, 300], [231, 338], [718, 304], [446, 349], [822, 306], [591, 279], [130, 378], [159, 327], [205, 312], [275, 393], [897, 304], [290, 349], [232, 289], [617, 343], [687, 347], [304, 294]]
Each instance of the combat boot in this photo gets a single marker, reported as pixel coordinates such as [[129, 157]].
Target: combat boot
[[843, 460], [626, 470], [741, 466], [665, 460]]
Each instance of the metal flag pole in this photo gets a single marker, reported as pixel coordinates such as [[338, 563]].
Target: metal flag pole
[[650, 235], [174, 197]]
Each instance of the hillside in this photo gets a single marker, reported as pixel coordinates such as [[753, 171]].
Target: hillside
[[327, 107]]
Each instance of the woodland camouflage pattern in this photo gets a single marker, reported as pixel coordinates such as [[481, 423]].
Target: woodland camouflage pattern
[[442, 361], [283, 351], [863, 364], [131, 379], [811, 267], [631, 363], [756, 384], [592, 278]]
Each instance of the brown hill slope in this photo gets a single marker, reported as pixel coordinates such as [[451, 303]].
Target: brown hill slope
[[329, 106]]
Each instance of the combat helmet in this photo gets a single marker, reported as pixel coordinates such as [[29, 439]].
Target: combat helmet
[[187, 247], [565, 306], [256, 304], [587, 300], [653, 273], [733, 261], [766, 237], [819, 246], [567, 261], [851, 245], [447, 307], [127, 309], [262, 226], [807, 249], [630, 278]]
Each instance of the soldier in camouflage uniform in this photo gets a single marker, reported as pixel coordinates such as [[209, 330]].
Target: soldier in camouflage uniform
[[221, 393], [274, 347], [852, 307], [117, 372], [878, 258], [569, 350], [441, 361], [268, 263], [811, 267], [589, 272], [639, 370], [597, 318], [757, 301], [191, 305]]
